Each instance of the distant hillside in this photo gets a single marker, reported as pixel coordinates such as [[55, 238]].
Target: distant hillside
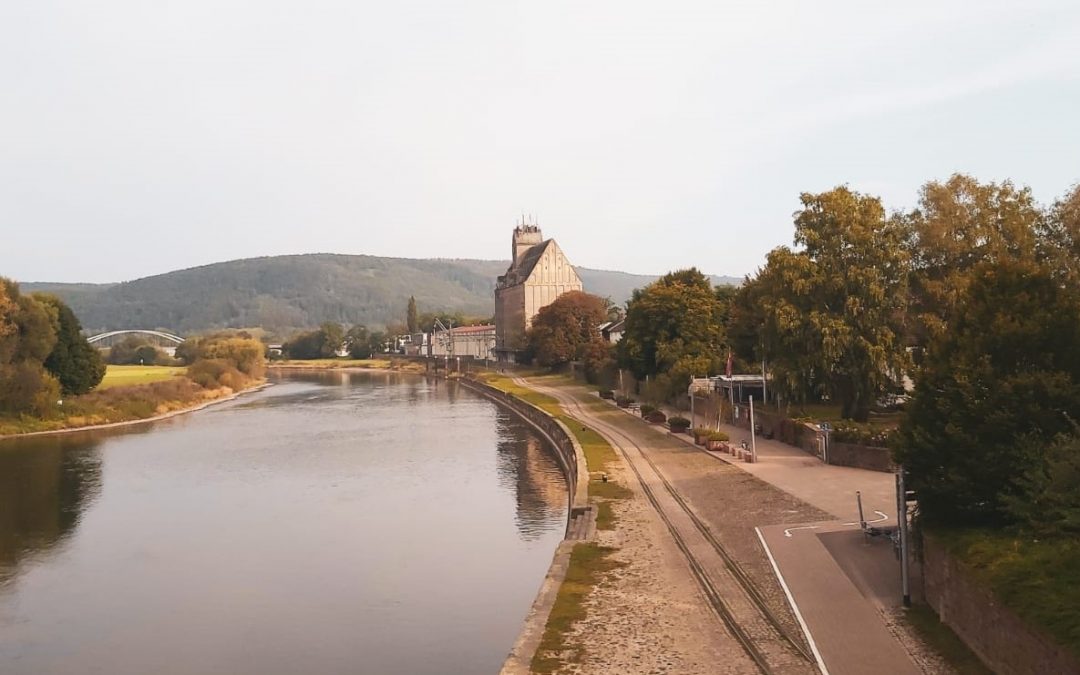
[[285, 293]]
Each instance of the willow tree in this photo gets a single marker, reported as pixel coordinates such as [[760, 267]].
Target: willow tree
[[833, 312]]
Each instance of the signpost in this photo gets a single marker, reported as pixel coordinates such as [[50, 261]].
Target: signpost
[[827, 428]]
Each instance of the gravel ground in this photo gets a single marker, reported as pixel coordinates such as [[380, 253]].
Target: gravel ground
[[648, 616], [731, 502]]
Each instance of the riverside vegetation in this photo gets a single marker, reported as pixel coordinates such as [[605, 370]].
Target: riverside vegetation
[[974, 295], [50, 375]]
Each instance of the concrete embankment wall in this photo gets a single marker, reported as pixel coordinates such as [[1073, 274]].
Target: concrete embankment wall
[[579, 526], [1005, 644]]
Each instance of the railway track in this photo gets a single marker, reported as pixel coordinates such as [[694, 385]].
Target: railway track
[[730, 592]]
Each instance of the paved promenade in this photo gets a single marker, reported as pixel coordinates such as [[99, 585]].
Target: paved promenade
[[838, 583]]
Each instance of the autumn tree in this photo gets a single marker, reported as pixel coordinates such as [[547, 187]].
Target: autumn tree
[[674, 327], [1059, 238], [996, 388], [568, 330], [833, 312], [958, 225], [27, 336]]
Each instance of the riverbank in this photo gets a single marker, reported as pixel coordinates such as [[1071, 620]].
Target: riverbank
[[396, 365], [87, 420]]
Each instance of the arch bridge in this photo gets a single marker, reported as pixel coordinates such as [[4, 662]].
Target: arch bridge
[[165, 341]]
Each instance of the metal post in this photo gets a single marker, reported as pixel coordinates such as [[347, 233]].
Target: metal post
[[731, 390], [753, 434], [764, 387], [862, 518], [902, 524], [693, 421]]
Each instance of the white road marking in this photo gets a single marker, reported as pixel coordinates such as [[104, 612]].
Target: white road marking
[[787, 532], [794, 606], [870, 522]]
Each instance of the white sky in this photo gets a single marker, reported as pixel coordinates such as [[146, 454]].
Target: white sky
[[139, 137]]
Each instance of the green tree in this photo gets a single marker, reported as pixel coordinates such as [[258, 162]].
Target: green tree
[[677, 319], [74, 361], [1048, 496], [834, 312], [568, 330], [318, 344], [133, 350], [995, 389], [412, 321], [358, 342]]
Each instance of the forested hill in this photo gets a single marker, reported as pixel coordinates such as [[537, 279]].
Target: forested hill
[[284, 293]]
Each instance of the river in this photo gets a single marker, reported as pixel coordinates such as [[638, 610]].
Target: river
[[332, 523]]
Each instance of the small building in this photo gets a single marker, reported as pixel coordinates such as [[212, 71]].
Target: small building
[[477, 342], [538, 274], [612, 331], [739, 388]]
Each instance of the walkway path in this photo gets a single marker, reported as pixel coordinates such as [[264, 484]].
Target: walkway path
[[853, 635]]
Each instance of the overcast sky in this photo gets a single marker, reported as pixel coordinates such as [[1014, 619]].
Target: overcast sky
[[138, 137]]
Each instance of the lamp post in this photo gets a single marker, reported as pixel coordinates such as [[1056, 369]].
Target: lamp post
[[753, 434]]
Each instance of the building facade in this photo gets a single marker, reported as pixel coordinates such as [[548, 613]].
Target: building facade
[[477, 342], [538, 273]]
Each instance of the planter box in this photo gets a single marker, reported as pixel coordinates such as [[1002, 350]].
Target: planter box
[[714, 445]]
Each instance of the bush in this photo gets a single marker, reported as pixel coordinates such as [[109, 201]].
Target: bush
[[678, 424], [214, 373], [861, 434], [656, 417], [26, 387], [607, 394], [624, 401], [646, 409], [718, 436]]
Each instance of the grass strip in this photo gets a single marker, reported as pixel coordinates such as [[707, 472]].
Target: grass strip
[[122, 376], [939, 637], [588, 565]]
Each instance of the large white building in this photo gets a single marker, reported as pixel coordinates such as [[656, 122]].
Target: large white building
[[539, 273]]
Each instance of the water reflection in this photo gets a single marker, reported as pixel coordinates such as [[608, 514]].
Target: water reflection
[[527, 466], [44, 488], [334, 523]]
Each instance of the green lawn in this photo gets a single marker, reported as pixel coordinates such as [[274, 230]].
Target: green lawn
[[122, 376]]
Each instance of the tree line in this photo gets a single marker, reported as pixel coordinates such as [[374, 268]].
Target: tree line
[[973, 295], [43, 353]]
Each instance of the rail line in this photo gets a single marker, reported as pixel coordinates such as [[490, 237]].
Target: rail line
[[730, 592]]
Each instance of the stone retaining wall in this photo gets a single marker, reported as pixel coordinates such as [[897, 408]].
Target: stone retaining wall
[[1005, 644], [861, 456], [579, 523]]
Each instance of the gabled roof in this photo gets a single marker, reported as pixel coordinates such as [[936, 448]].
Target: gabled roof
[[523, 269]]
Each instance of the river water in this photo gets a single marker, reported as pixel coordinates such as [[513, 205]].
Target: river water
[[333, 523]]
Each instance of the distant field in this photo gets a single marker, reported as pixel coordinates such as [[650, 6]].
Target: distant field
[[120, 376]]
